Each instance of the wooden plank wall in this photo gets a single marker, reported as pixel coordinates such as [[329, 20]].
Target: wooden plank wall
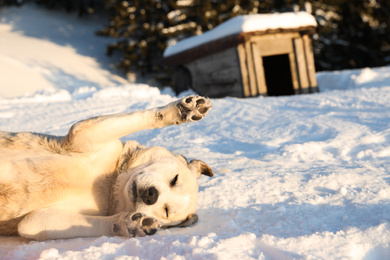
[[243, 66], [300, 59], [217, 75], [310, 63]]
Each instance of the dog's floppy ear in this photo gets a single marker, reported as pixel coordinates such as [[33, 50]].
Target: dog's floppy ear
[[189, 221], [198, 167]]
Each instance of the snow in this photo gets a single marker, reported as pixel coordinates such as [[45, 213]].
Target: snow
[[296, 177], [245, 24], [45, 53]]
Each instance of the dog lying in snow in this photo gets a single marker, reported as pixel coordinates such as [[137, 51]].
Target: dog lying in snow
[[88, 183]]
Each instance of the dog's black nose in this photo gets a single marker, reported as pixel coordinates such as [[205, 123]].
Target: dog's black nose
[[150, 196]]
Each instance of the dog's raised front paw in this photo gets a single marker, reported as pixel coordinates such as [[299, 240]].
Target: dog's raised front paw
[[193, 108], [189, 109], [135, 225]]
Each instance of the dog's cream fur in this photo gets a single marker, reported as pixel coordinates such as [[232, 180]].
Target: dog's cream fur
[[88, 183]]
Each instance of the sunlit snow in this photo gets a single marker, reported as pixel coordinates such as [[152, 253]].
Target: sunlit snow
[[296, 177]]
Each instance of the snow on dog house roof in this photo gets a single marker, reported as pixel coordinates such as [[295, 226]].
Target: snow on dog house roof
[[235, 31]]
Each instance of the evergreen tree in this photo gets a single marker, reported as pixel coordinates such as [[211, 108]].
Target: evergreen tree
[[137, 25], [143, 29], [351, 34], [198, 16]]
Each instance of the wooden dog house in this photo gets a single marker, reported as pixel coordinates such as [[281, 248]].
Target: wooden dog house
[[250, 55]]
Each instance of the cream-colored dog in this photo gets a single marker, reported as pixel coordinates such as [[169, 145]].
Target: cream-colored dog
[[88, 183]]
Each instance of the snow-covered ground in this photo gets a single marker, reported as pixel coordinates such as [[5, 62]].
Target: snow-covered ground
[[40, 49], [296, 177]]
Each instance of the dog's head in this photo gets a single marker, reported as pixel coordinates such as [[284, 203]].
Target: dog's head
[[162, 185]]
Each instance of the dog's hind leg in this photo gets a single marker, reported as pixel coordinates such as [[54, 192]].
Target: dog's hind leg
[[89, 134]]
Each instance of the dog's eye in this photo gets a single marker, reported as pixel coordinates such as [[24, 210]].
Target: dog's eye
[[166, 211], [174, 181]]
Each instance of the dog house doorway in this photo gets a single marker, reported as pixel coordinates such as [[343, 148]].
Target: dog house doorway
[[277, 73]]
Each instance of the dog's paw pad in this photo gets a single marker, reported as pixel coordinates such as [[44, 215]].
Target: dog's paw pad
[[142, 225], [150, 226], [136, 216], [194, 108]]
